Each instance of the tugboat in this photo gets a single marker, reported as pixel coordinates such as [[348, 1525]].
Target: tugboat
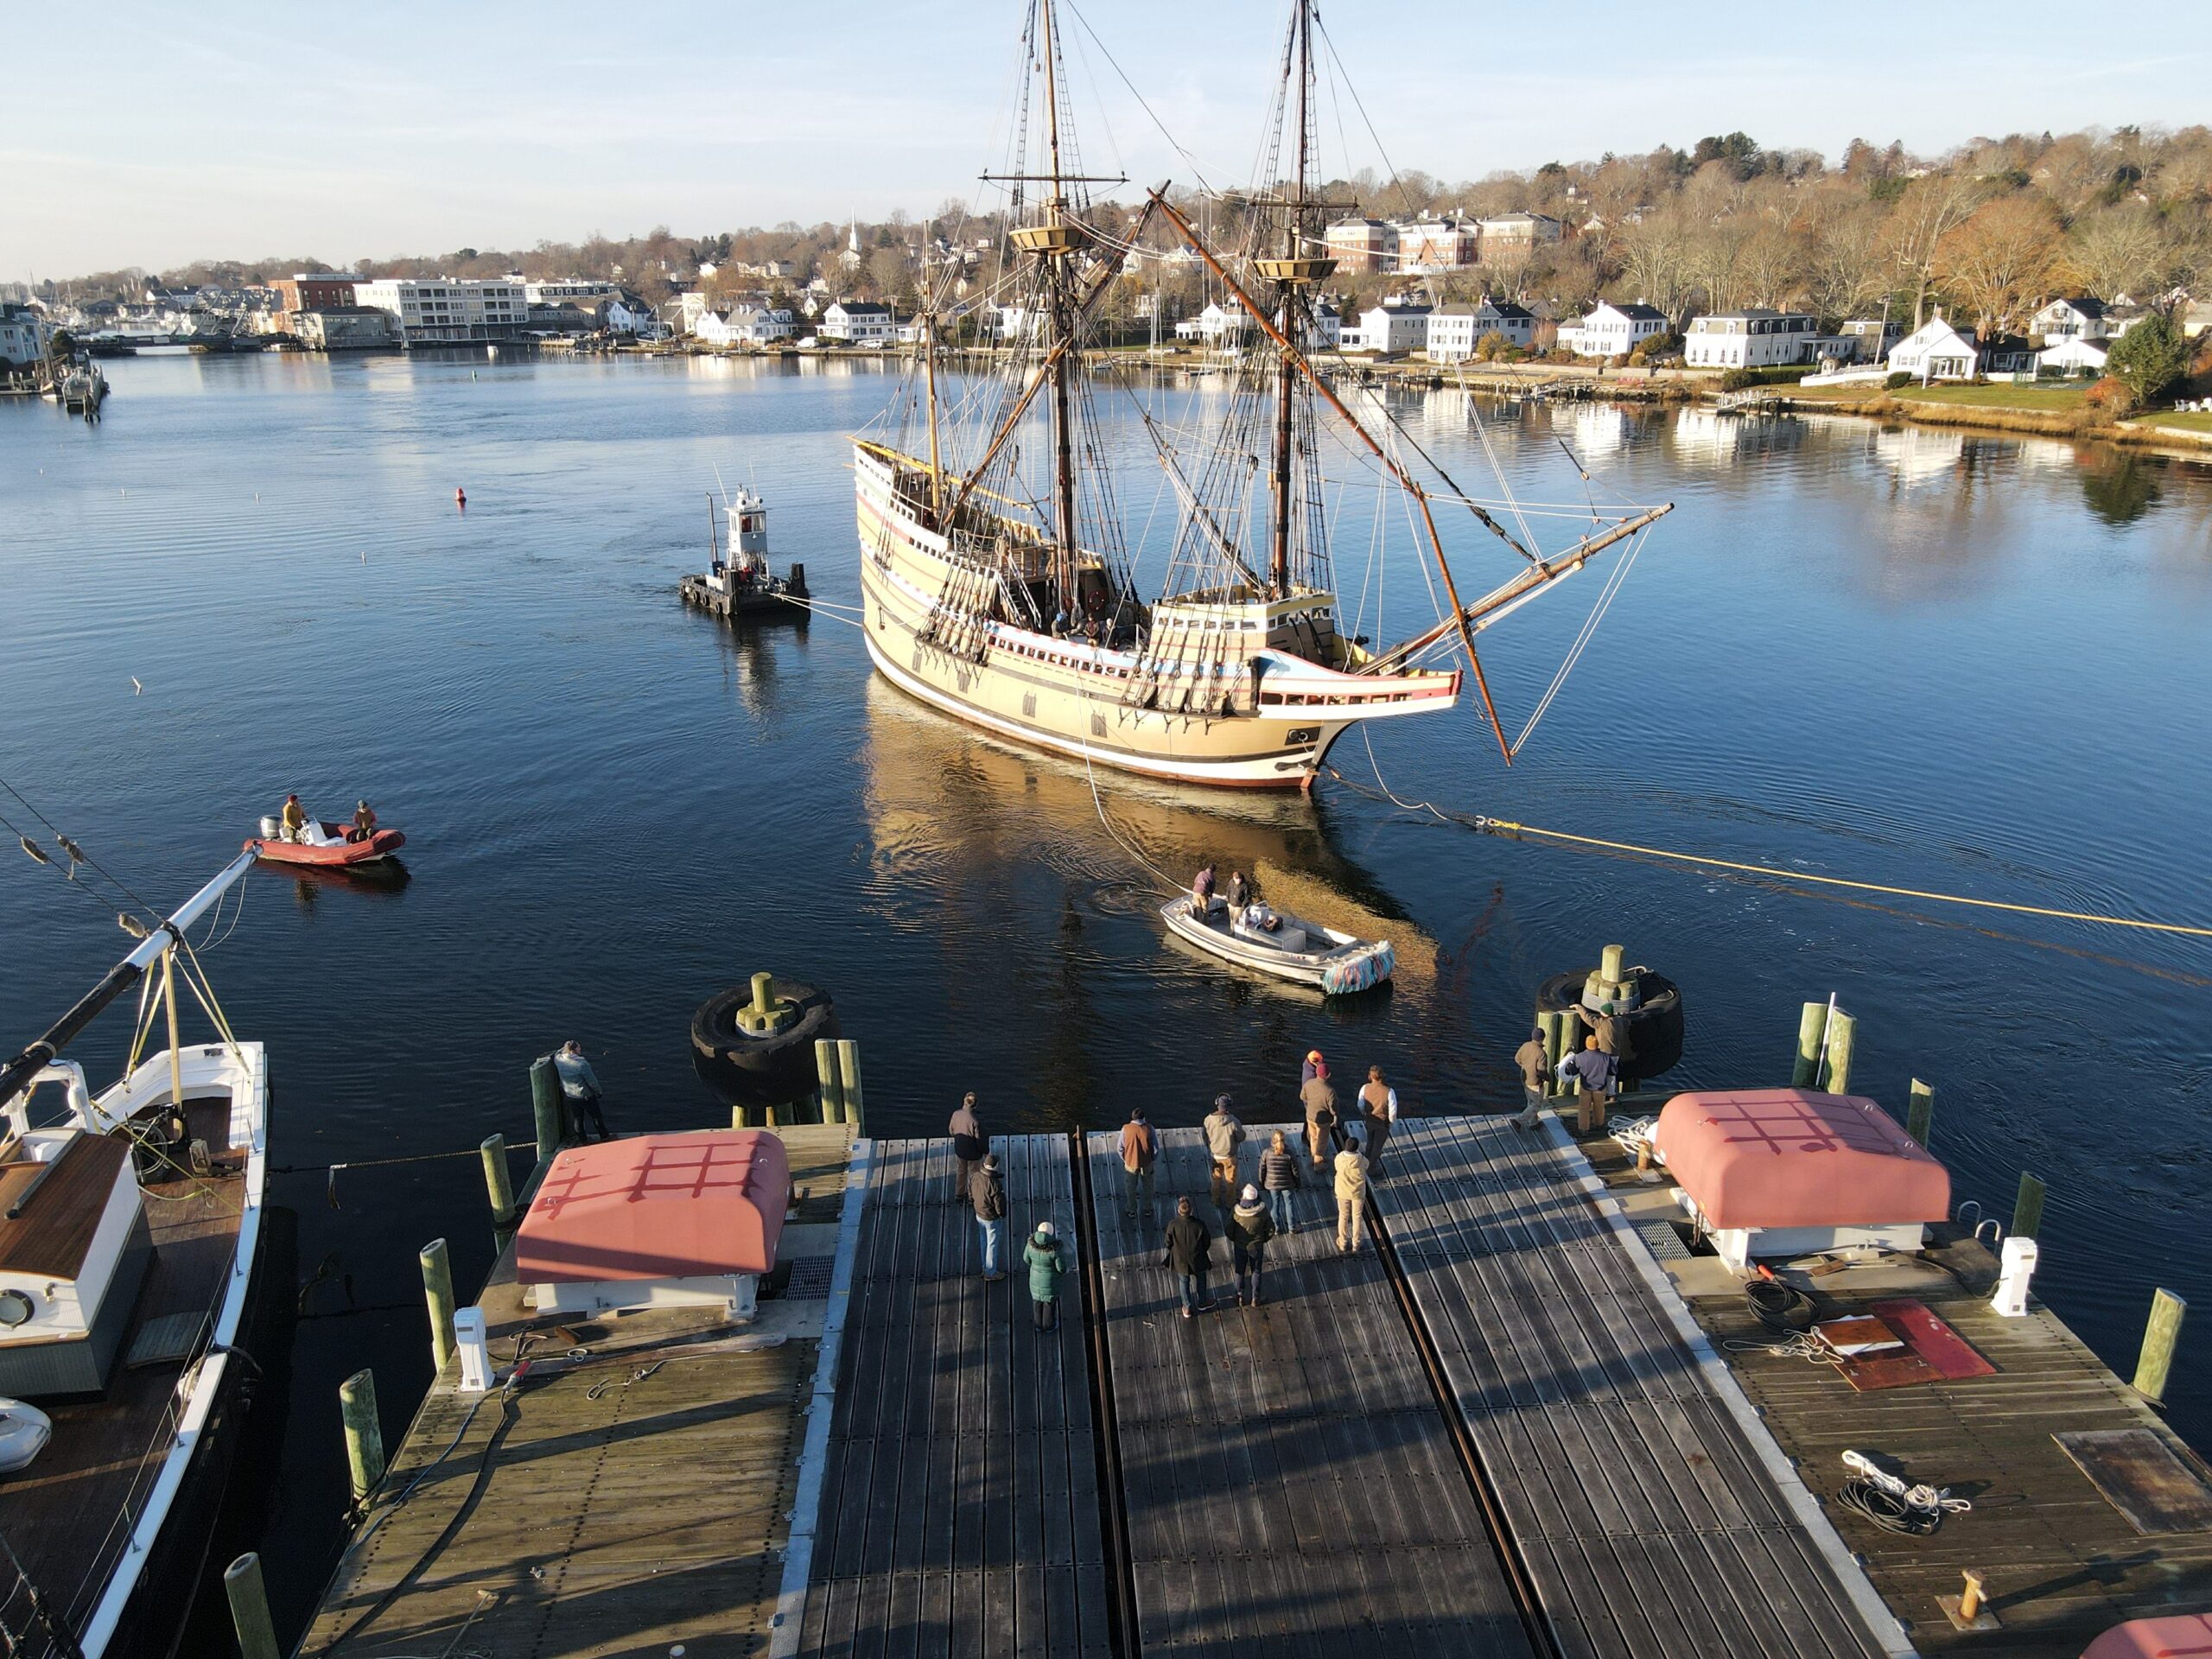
[[741, 585]]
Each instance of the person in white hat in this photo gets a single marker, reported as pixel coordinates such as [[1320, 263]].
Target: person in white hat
[[1047, 1260], [1250, 1227]]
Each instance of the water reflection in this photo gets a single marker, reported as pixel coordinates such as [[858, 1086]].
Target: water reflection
[[2118, 486]]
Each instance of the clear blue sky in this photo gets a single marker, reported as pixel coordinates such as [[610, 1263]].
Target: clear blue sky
[[224, 130]]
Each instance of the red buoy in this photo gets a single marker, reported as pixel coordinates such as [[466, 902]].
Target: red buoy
[[460, 498]]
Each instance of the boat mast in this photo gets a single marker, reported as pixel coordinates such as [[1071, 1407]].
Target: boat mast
[[929, 371], [1292, 278], [1056, 254]]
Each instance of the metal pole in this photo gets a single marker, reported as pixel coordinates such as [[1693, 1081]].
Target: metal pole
[[176, 1046]]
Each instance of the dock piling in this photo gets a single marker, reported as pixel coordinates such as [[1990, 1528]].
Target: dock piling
[[249, 1594], [1920, 1116], [1812, 1024], [356, 1406], [2155, 1366], [1836, 1068], [849, 1082], [547, 1107], [499, 1185], [825, 1071], [741, 1117], [2027, 1208], [437, 1291]]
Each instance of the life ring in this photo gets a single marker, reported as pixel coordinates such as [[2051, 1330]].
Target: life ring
[[1655, 1024], [770, 1070], [24, 1431]]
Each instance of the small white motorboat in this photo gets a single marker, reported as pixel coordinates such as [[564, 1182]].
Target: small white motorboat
[[1301, 951]]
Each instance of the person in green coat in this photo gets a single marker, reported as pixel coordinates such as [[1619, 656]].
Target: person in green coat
[[1048, 1262]]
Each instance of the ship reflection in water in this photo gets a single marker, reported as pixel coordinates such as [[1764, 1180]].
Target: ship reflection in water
[[968, 839]]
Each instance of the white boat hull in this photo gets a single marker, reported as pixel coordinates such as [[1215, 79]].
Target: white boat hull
[[1342, 965]]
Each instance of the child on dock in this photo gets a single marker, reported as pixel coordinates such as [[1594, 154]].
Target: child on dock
[[1047, 1258]]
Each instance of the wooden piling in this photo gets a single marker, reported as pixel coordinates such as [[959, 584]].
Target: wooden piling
[[2027, 1208], [825, 1072], [1811, 1024], [249, 1594], [2155, 1365], [499, 1187], [848, 1082], [1609, 964], [1835, 1067], [547, 1107], [1920, 1116], [437, 1291], [741, 1117], [357, 1408], [1970, 1597]]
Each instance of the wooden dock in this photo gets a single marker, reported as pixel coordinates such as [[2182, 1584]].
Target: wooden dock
[[624, 1502], [1649, 1523], [1290, 1486], [959, 1501]]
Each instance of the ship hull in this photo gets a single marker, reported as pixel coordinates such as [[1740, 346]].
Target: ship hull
[[1073, 699]]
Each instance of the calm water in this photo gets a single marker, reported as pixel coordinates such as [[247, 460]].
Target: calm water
[[1970, 665]]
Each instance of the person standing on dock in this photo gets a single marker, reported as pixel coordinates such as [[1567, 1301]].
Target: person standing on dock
[[1319, 1097], [579, 1088], [1593, 1070], [1613, 1039], [968, 1145], [987, 1191], [1535, 1074], [1248, 1228], [1225, 1134], [1278, 1177], [1139, 1156], [1047, 1258], [1312, 1064], [1351, 1199], [1378, 1103], [1188, 1246]]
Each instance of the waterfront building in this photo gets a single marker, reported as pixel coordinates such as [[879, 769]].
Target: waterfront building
[[343, 328], [1865, 340], [1389, 328], [1754, 338], [1217, 324], [2084, 318], [579, 290], [1454, 331], [1510, 238], [1612, 330], [625, 315], [862, 323], [1361, 244], [1939, 351], [744, 325], [1435, 243], [1327, 333], [447, 311], [315, 291], [24, 334], [2072, 354], [1017, 322]]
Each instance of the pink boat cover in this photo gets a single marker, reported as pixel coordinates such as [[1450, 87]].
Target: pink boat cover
[[2185, 1636], [657, 1206], [1792, 1158]]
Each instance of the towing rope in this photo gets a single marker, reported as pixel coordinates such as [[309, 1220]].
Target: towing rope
[[1508, 827]]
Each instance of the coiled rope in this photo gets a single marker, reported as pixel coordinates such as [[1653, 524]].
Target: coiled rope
[[1508, 827]]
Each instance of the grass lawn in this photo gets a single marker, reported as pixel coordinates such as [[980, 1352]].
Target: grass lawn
[[2043, 399], [2190, 423]]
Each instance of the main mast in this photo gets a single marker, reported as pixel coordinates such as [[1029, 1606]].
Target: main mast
[[1294, 276], [1054, 243]]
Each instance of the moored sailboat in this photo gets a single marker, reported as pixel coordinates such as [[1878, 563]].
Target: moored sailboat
[[1010, 601]]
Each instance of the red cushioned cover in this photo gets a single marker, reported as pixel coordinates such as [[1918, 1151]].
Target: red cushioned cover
[[657, 1206], [1792, 1158], [2186, 1637]]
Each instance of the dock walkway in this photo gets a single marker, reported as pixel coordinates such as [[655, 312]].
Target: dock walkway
[[1649, 1524], [1290, 1486], [960, 1509]]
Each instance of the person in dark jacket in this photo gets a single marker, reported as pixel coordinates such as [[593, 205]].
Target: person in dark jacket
[[1279, 1179], [987, 1191], [969, 1143], [1535, 1061], [579, 1088], [1188, 1246], [1248, 1230], [1318, 1096], [1047, 1258], [1593, 1070], [1378, 1105]]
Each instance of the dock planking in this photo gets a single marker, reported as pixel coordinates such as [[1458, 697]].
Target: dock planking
[[632, 1504], [1648, 1523], [959, 1511], [1288, 1482]]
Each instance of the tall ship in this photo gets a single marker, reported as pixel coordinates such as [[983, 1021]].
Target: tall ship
[[997, 578], [131, 1239]]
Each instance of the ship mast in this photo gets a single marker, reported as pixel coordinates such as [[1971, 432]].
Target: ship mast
[[1293, 276], [1056, 247]]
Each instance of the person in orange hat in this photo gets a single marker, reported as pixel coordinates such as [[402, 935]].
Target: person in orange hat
[[1318, 1096], [1313, 1063]]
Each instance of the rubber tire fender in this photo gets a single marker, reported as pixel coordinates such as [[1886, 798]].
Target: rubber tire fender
[[771, 1070], [1655, 1025]]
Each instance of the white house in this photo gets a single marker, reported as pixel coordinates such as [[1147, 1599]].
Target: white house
[[1217, 324], [1454, 331], [1387, 328], [1936, 351], [1017, 322], [863, 322], [2084, 318], [23, 335], [1611, 330], [743, 325], [1327, 332], [1755, 338], [627, 315], [2074, 355]]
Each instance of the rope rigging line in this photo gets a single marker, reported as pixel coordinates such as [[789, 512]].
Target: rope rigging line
[[1508, 827], [1614, 578]]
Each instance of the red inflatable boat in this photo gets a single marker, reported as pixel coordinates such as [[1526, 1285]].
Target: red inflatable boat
[[337, 851]]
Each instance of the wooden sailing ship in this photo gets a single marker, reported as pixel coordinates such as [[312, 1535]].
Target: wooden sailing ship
[[1004, 594]]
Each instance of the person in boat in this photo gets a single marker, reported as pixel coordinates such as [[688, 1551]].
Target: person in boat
[[1240, 895], [294, 819], [1060, 623], [1201, 892], [579, 1088], [1258, 918], [364, 823]]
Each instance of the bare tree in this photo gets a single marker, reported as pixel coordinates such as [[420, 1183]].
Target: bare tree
[[2125, 249], [1931, 208], [2002, 262]]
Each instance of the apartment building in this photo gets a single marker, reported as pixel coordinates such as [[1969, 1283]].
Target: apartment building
[[1361, 244], [447, 311], [1454, 331], [1755, 338]]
